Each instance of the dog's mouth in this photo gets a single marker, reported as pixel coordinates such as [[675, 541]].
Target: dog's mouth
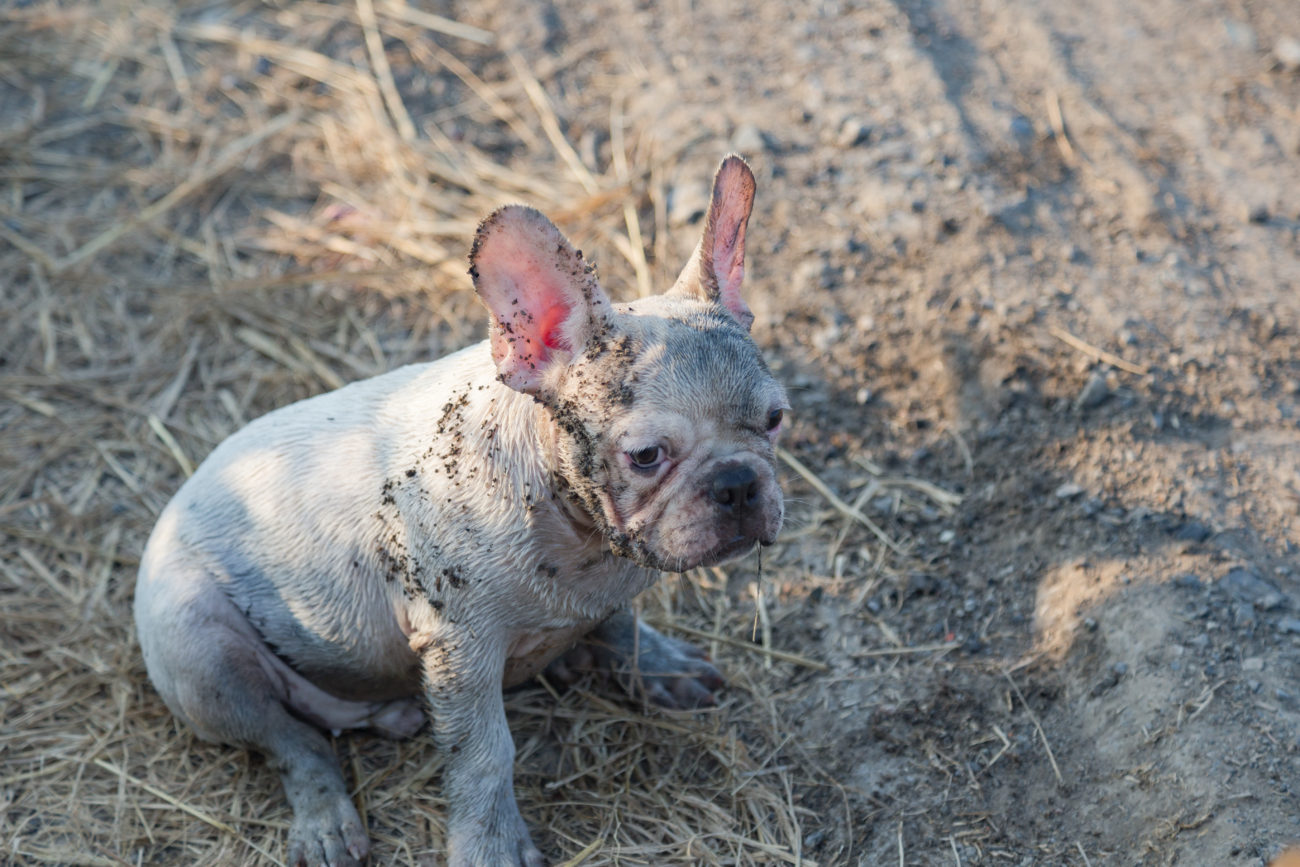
[[732, 549]]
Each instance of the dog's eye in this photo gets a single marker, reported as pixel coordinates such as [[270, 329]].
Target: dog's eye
[[774, 418], [646, 459]]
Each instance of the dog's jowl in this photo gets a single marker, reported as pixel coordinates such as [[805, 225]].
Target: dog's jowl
[[406, 546]]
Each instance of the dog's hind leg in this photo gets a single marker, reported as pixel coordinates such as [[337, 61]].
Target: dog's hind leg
[[213, 673]]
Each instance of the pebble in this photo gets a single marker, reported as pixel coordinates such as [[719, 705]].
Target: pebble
[[1021, 129], [687, 203], [748, 139], [1289, 626], [814, 274], [1094, 391], [853, 132], [1188, 581], [1241, 34], [1258, 213], [1068, 491], [1243, 614], [1120, 668], [1247, 585], [1287, 52], [1252, 663], [1193, 531]]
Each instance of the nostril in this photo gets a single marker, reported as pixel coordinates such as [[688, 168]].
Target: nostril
[[735, 486]]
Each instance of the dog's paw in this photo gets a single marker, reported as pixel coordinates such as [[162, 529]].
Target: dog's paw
[[650, 665], [511, 848], [675, 674], [327, 835]]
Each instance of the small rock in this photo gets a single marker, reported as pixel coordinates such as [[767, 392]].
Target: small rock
[[1068, 491], [1200, 642], [1193, 531], [1243, 614], [1289, 626], [1270, 602], [947, 536], [1188, 581], [1022, 129], [1247, 585], [813, 274], [1253, 685], [1095, 390], [1258, 213], [1241, 34], [1120, 668], [813, 840], [687, 203], [1090, 624], [1287, 52], [853, 132], [1252, 663], [749, 139], [1107, 682]]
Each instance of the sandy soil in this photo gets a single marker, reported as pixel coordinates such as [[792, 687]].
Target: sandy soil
[[1029, 269]]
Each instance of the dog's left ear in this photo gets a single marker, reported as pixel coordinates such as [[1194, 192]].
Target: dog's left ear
[[544, 299], [716, 270]]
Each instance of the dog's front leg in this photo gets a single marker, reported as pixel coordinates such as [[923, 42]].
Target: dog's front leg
[[462, 677]]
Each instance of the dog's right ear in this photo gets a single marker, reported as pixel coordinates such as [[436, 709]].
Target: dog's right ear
[[544, 299]]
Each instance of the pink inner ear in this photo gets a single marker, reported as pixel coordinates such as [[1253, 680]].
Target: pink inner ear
[[729, 258], [548, 325]]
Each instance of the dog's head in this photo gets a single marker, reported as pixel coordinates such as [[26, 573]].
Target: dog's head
[[664, 417]]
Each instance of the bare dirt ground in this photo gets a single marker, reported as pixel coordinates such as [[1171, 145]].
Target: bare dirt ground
[[1029, 269]]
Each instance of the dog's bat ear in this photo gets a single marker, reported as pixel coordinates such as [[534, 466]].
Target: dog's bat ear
[[716, 270], [544, 299]]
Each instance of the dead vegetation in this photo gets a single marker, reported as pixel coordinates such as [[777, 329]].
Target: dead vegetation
[[210, 212]]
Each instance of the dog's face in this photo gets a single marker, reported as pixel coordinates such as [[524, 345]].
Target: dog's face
[[664, 415], [667, 433]]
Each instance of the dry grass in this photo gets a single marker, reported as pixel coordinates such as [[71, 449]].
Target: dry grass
[[209, 212]]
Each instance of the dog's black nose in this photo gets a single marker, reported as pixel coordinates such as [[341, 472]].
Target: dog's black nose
[[735, 487]]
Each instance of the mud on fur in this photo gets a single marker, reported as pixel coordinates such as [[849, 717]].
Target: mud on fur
[[418, 541]]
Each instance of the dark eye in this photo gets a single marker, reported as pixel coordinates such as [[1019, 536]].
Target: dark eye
[[774, 418], [647, 458]]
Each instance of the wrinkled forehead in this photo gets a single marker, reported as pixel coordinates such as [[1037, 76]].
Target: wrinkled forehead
[[706, 369]]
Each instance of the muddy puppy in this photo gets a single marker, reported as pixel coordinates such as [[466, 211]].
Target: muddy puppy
[[419, 540]]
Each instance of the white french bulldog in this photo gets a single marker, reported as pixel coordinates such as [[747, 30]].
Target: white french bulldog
[[445, 530]]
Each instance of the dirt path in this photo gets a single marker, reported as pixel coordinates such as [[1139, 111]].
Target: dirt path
[[953, 192]]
